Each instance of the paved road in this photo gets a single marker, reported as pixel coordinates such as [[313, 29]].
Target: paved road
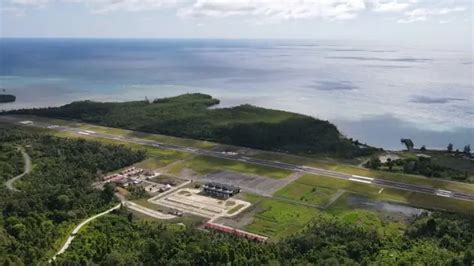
[[27, 169], [76, 230], [268, 163], [128, 204], [147, 211]]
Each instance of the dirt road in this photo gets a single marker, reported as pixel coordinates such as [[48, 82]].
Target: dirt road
[[27, 169]]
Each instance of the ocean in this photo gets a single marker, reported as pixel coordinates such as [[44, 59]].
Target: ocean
[[373, 92]]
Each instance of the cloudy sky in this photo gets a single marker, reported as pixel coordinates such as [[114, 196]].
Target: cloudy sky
[[433, 21]]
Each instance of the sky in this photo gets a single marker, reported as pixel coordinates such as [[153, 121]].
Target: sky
[[447, 23]]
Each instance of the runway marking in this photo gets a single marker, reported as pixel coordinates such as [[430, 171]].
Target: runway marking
[[360, 180], [444, 193], [295, 168], [363, 177]]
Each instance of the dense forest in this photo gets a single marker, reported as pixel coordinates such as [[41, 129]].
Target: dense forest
[[189, 116], [7, 98], [119, 239], [55, 195]]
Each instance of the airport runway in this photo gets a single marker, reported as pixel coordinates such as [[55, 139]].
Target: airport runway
[[237, 157]]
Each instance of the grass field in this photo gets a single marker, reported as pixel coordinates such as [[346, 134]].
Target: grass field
[[366, 218], [123, 132], [315, 195], [417, 180], [156, 157], [156, 137], [410, 198], [235, 209], [205, 165], [277, 219], [351, 167]]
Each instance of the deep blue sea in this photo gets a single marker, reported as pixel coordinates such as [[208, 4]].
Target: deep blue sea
[[373, 92]]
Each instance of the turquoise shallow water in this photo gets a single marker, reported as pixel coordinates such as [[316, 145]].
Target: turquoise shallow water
[[373, 92]]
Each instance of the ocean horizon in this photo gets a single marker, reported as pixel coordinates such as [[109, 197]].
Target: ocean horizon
[[373, 92]]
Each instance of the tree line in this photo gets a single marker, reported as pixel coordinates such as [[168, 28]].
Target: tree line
[[120, 239], [189, 116], [409, 144]]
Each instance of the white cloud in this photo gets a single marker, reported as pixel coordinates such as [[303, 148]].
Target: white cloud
[[15, 11], [259, 11], [423, 14], [391, 5], [446, 21], [104, 6], [276, 10], [33, 3]]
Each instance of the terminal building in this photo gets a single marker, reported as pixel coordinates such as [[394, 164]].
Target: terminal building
[[220, 190]]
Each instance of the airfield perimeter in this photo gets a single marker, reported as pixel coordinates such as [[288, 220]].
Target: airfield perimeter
[[256, 161]]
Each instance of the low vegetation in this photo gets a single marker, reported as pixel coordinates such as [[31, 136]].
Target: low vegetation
[[189, 116], [314, 195], [279, 219], [206, 165], [410, 198]]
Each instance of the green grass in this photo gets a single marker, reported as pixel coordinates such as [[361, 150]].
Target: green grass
[[350, 167], [200, 164], [145, 203], [156, 137], [156, 157], [315, 195], [205, 165], [410, 198], [235, 209], [367, 218], [124, 132], [277, 219], [411, 179]]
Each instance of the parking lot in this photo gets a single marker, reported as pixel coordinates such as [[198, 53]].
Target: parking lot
[[191, 201], [249, 183]]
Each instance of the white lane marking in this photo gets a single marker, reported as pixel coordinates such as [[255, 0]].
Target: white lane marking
[[380, 191], [363, 177], [360, 180]]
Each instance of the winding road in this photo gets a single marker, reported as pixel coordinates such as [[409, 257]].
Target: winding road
[[78, 227], [27, 169]]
